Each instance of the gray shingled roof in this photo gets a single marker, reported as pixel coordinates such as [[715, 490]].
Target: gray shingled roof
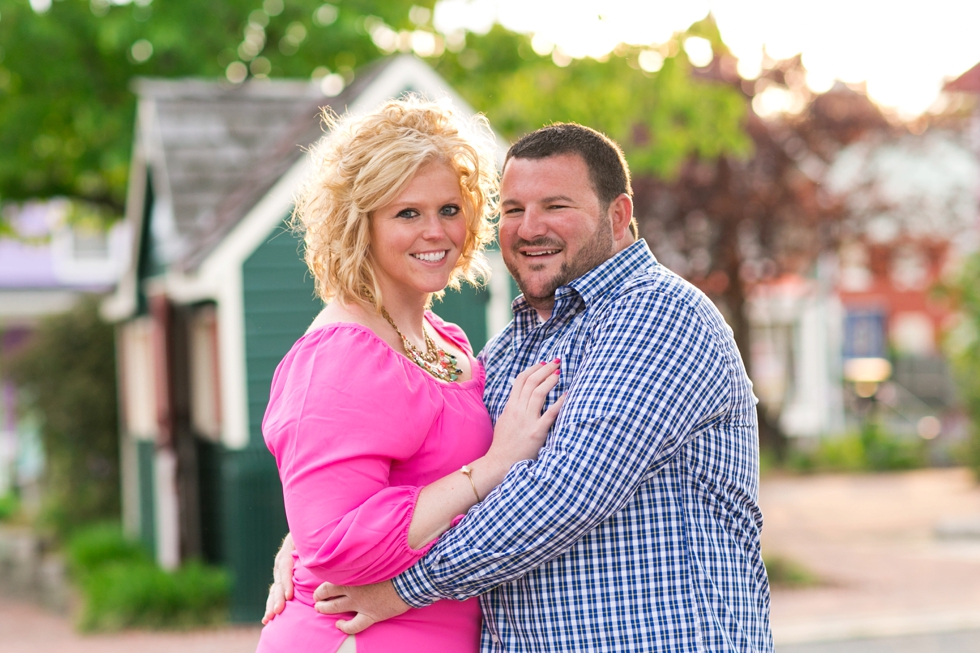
[[206, 136], [222, 147], [271, 161]]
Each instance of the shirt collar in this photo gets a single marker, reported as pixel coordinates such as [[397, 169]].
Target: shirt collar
[[610, 274]]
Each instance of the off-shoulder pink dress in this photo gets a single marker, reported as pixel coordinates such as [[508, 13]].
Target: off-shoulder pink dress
[[357, 430]]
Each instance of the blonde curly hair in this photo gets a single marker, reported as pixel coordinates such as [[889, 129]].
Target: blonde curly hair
[[364, 163]]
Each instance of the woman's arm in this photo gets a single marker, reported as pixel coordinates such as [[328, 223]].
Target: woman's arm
[[518, 435], [343, 409]]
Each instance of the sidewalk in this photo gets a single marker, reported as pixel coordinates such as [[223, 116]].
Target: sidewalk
[[26, 628], [871, 537]]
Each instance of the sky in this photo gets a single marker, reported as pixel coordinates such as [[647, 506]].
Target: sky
[[902, 52]]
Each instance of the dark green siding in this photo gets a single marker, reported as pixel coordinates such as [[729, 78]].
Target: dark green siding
[[209, 460], [254, 521], [468, 309], [145, 454], [279, 305]]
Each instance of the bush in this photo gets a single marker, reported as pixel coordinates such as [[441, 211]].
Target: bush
[[134, 594], [870, 450], [9, 506], [95, 547], [123, 588], [67, 373], [787, 573]]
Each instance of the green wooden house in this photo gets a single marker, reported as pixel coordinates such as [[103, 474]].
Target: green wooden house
[[216, 294]]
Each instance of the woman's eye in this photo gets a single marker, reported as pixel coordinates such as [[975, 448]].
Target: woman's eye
[[407, 213], [450, 209]]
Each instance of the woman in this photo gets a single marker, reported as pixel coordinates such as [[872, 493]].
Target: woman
[[375, 416]]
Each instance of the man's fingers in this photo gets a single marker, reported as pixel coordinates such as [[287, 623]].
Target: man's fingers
[[355, 625], [326, 590], [335, 605]]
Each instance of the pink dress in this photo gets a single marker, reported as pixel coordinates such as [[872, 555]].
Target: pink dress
[[357, 430]]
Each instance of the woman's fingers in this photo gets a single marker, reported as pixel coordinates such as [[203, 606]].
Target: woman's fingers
[[283, 568], [537, 375], [551, 414], [274, 604], [539, 385], [517, 387]]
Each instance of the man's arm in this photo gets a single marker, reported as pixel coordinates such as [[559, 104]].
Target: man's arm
[[654, 377]]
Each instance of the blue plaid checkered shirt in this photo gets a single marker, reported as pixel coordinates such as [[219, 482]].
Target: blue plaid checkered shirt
[[637, 528]]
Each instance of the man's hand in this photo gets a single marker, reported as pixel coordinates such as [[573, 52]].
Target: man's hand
[[372, 603], [281, 589]]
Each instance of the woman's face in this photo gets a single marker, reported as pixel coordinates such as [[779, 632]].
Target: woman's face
[[417, 239]]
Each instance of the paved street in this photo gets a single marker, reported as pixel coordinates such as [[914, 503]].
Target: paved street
[[871, 540], [958, 642], [888, 584], [25, 628]]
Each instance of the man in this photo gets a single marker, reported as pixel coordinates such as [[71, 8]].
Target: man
[[637, 528]]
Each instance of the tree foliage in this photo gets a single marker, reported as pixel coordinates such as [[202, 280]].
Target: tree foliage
[[660, 118], [68, 376], [66, 108], [963, 347], [732, 224]]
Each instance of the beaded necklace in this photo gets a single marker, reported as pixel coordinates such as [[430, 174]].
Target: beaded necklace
[[434, 360]]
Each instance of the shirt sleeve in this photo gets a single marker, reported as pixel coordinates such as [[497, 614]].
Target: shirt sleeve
[[342, 412], [652, 378]]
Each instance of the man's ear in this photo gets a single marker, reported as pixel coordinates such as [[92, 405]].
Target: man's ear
[[621, 213]]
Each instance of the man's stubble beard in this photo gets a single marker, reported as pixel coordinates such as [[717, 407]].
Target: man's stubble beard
[[598, 250]]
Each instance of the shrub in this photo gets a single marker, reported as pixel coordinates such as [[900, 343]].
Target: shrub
[[67, 373], [122, 587], [136, 594], [98, 546], [9, 506], [784, 572], [869, 450]]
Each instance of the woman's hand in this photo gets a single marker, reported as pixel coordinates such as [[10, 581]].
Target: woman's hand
[[522, 428], [281, 589]]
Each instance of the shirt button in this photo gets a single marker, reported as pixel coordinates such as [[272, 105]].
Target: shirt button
[[496, 640]]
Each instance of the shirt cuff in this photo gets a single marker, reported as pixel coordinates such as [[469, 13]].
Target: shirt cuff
[[415, 587]]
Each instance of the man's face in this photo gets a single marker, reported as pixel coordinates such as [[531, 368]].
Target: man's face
[[552, 227]]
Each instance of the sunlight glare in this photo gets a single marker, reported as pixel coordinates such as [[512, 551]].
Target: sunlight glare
[[476, 16], [698, 51], [904, 56]]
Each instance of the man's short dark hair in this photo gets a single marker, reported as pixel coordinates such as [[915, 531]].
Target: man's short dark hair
[[608, 170]]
